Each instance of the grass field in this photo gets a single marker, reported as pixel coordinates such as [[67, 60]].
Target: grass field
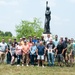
[[30, 70]]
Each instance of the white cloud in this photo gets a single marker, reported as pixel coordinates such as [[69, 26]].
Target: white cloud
[[51, 3]]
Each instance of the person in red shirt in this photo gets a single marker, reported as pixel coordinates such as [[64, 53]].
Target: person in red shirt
[[30, 43]]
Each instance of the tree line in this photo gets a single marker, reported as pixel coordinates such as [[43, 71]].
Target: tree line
[[5, 34], [24, 29]]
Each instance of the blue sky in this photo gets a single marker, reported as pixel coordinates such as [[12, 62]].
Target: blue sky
[[62, 15]]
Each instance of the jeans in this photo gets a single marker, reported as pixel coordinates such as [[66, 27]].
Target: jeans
[[8, 58], [32, 56], [19, 58], [60, 57], [51, 59]]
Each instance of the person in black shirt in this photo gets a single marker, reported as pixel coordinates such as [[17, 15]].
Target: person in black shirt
[[59, 51], [65, 42], [8, 51], [51, 51], [43, 40], [15, 42]]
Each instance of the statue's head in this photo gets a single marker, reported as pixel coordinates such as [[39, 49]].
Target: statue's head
[[47, 8]]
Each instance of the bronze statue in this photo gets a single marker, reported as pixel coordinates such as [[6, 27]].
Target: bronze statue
[[47, 19]]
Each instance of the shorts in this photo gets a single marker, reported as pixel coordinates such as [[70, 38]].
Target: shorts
[[60, 57], [40, 57], [64, 54], [13, 54]]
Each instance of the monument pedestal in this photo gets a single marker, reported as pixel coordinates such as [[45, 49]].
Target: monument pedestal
[[45, 36]]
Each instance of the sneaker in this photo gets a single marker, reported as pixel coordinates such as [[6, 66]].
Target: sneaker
[[38, 66], [27, 65], [22, 65], [18, 65], [43, 66], [32, 65]]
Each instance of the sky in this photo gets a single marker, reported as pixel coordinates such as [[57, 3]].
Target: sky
[[62, 23]]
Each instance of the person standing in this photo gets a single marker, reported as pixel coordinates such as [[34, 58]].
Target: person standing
[[34, 39], [25, 53], [48, 39], [15, 42], [13, 54], [56, 41], [59, 52], [8, 52], [69, 52], [3, 50], [51, 51], [33, 53], [65, 42], [43, 40], [19, 53], [46, 42], [40, 53], [73, 49], [30, 43], [21, 41]]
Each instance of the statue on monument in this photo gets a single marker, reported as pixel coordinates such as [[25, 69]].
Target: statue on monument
[[47, 19]]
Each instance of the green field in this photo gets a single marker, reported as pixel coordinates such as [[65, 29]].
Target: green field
[[34, 70]]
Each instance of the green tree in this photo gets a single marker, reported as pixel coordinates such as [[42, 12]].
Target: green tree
[[1, 33], [8, 34], [27, 28]]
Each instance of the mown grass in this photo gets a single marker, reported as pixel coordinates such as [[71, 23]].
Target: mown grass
[[30, 70]]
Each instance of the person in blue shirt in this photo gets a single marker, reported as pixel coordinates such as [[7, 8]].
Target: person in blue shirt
[[34, 40], [40, 53], [33, 53]]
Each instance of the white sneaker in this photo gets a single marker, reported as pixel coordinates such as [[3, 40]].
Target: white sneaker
[[38, 66], [32, 65], [43, 66], [22, 65], [27, 65], [18, 65]]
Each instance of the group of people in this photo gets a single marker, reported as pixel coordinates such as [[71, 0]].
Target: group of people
[[29, 51]]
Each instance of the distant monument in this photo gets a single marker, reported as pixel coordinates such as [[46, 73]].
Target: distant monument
[[47, 20]]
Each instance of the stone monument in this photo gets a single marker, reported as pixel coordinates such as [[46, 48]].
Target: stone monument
[[47, 21]]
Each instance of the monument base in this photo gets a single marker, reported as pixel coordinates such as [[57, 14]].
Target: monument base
[[46, 32], [45, 36]]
